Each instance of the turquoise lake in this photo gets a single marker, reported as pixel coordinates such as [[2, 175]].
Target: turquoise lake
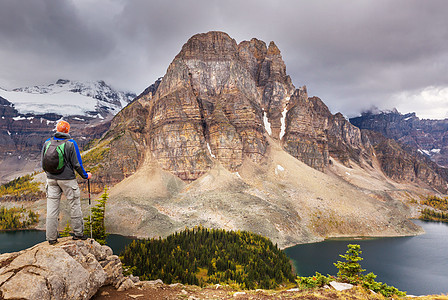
[[418, 264]]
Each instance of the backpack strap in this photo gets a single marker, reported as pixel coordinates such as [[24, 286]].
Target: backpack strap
[[64, 155]]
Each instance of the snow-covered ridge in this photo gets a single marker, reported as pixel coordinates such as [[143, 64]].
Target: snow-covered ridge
[[67, 97]]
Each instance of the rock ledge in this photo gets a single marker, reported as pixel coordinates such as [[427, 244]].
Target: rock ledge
[[68, 270]]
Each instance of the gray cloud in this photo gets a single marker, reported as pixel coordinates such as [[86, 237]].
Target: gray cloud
[[352, 54], [50, 28]]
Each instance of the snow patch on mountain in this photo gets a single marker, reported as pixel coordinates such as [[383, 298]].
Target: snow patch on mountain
[[67, 97], [283, 123], [267, 124]]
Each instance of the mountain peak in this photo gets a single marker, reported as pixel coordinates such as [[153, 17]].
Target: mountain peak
[[273, 49], [69, 97], [209, 46], [62, 81]]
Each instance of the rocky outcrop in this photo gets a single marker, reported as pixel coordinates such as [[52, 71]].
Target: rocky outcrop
[[305, 136], [68, 270], [123, 146], [206, 108], [405, 146], [313, 134], [150, 91], [269, 71]]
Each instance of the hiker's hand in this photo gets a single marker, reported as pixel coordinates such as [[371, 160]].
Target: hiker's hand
[[89, 175]]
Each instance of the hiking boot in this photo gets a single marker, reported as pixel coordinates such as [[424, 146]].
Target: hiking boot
[[79, 237], [53, 242]]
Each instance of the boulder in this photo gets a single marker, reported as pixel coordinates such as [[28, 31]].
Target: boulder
[[340, 286], [126, 284], [67, 270]]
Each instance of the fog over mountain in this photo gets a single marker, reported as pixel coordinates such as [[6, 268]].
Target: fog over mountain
[[352, 54]]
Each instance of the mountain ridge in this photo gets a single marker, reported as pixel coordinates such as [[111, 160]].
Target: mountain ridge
[[429, 137], [60, 96]]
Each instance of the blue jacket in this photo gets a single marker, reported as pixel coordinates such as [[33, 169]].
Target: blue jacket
[[72, 159]]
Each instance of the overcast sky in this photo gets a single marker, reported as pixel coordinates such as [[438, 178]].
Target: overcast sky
[[354, 54]]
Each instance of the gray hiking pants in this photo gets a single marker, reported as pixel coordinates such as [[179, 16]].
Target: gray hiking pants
[[70, 188]]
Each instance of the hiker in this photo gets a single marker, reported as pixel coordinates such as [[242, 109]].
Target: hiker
[[60, 157]]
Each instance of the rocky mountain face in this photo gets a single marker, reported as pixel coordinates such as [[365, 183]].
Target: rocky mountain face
[[219, 98], [225, 140], [23, 133], [405, 146], [213, 103], [314, 135], [430, 137], [404, 164]]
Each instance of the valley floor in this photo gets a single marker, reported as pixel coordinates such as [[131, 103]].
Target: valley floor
[[179, 291]]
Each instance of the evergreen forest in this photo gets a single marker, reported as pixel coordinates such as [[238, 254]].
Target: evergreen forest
[[440, 211], [21, 188], [17, 218], [202, 256], [432, 215], [436, 202]]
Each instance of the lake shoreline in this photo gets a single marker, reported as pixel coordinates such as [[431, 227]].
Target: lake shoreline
[[416, 264], [21, 229]]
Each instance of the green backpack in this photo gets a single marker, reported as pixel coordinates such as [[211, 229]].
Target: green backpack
[[53, 158]]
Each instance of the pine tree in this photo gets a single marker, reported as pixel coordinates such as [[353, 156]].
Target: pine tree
[[350, 270], [98, 217], [66, 231]]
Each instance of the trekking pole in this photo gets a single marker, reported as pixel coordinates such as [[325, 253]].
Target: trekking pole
[[90, 208]]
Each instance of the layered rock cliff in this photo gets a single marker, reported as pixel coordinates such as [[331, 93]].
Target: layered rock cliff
[[313, 134], [217, 101], [212, 104], [405, 164], [209, 105]]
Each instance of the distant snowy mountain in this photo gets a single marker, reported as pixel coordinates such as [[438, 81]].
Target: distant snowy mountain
[[66, 97]]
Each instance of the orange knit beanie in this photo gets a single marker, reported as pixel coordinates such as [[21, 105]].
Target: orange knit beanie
[[63, 126]]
